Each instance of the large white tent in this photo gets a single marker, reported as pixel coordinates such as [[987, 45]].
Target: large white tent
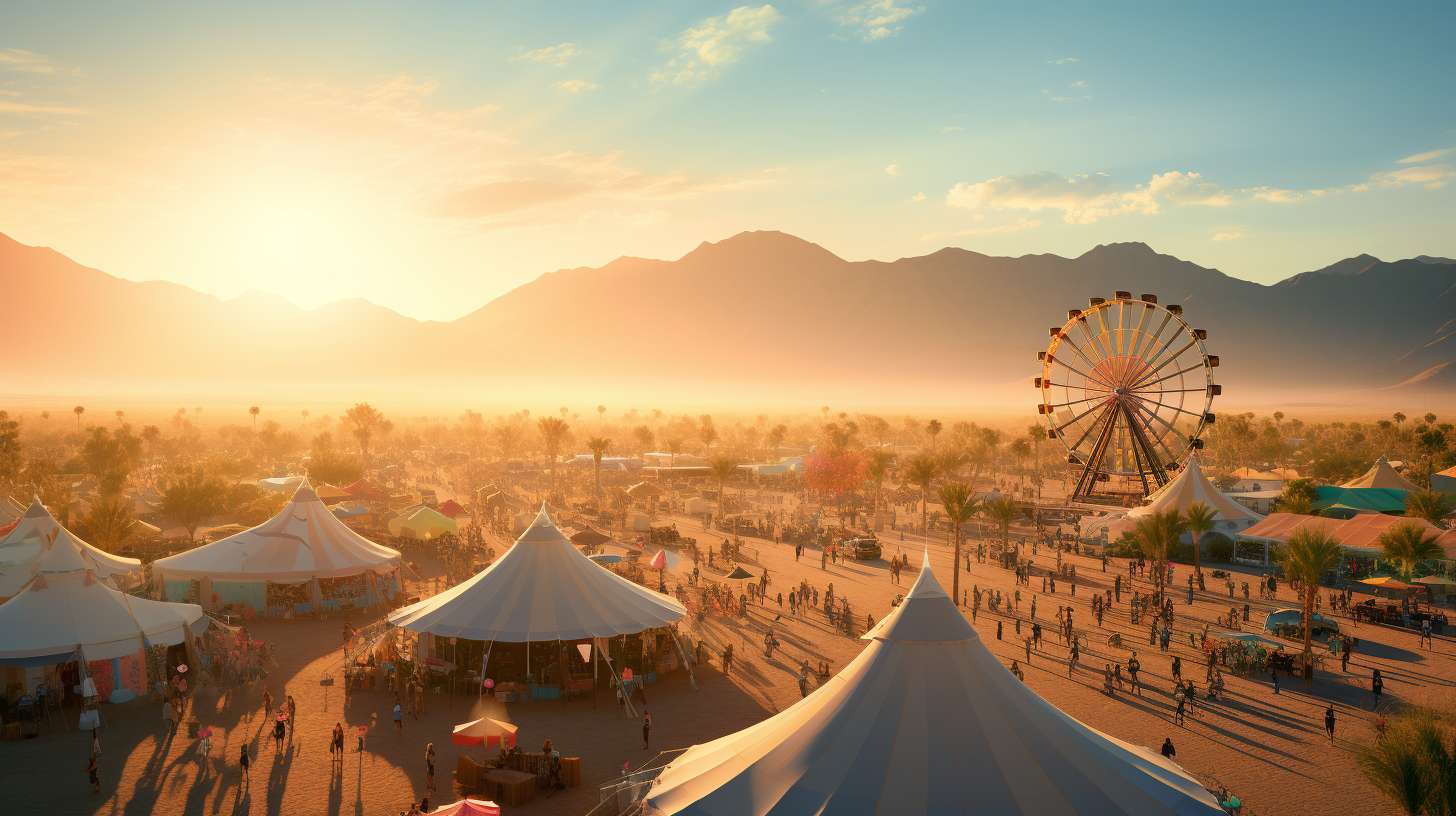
[[925, 720], [304, 541], [542, 588], [1191, 486], [1382, 474], [66, 609], [21, 549]]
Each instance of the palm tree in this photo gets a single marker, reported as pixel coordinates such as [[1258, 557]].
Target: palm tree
[[1308, 555], [960, 505], [1002, 510], [553, 433], [367, 420], [1408, 544], [109, 523], [1405, 764], [876, 468], [1431, 505], [78, 411], [723, 468], [598, 445], [933, 429], [1198, 520], [1156, 534], [921, 472], [254, 411]]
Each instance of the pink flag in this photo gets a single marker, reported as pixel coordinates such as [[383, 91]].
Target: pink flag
[[659, 561]]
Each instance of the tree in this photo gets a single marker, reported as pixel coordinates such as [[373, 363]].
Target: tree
[[776, 436], [707, 434], [933, 429], [1198, 520], [723, 468], [110, 457], [644, 438], [1399, 418], [876, 467], [254, 411], [109, 524], [1308, 555], [598, 445], [1408, 544], [921, 472], [1298, 497], [9, 449], [365, 422], [553, 434], [1411, 764], [1431, 505], [326, 463], [960, 505], [1002, 510], [1156, 534], [191, 498], [78, 411]]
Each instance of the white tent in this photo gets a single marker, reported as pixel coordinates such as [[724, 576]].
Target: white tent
[[10, 510], [304, 541], [66, 608], [1190, 486], [543, 588], [1381, 474], [21, 549], [925, 720]]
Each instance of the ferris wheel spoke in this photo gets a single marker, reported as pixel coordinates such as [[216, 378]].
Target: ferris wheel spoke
[[1084, 374], [1157, 335], [1145, 386], [1073, 421], [1170, 428], [1169, 407], [1155, 356], [1075, 402], [1090, 427], [1169, 390], [1169, 361], [1066, 338], [1137, 338], [1088, 386], [1093, 343]]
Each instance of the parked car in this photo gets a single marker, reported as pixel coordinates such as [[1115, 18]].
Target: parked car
[[863, 549]]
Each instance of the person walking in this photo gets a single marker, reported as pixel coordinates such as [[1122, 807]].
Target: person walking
[[430, 765], [1168, 750], [1330, 721], [646, 728], [243, 763], [1182, 705], [279, 729], [1177, 668], [1274, 677], [292, 715], [1377, 685], [1133, 667], [398, 717]]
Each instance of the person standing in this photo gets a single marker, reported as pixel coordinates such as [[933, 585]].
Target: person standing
[[1274, 677], [1133, 667], [398, 717], [1182, 705], [1177, 669], [430, 765], [1330, 721], [646, 728], [279, 729], [1377, 685], [1168, 750], [292, 715], [243, 763]]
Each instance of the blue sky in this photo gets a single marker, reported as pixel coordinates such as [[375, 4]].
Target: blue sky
[[317, 150]]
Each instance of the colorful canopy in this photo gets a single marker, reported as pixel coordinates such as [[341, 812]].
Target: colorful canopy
[[542, 588], [925, 720], [65, 608], [21, 548], [422, 521], [1386, 582], [451, 508], [468, 807], [366, 490], [484, 731], [304, 541], [1360, 534], [330, 493], [1381, 474]]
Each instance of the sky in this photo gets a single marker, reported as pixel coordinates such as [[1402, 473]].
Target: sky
[[430, 156]]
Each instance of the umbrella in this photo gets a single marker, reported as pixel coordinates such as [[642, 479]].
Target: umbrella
[[468, 807], [606, 558], [739, 573], [1434, 580], [659, 561], [483, 731], [1385, 582]]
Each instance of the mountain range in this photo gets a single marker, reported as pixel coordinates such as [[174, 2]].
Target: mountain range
[[758, 315]]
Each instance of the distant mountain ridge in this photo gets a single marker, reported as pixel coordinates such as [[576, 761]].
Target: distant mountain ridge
[[758, 310]]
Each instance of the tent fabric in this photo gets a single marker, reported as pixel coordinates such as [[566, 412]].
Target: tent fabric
[[366, 490], [1381, 474], [329, 493], [1189, 486], [892, 731], [1386, 582], [468, 807], [304, 541], [484, 731], [1360, 499], [422, 522], [1360, 533], [10, 510], [451, 508], [280, 484], [542, 588], [66, 608], [21, 548]]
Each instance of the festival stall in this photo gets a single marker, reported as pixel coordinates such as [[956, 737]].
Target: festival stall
[[67, 624], [543, 618], [302, 561], [422, 522], [892, 733]]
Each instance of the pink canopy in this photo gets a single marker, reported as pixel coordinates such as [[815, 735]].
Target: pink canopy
[[468, 807], [484, 731], [451, 508], [659, 561]]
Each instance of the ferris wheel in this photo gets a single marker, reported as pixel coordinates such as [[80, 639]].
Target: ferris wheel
[[1127, 386]]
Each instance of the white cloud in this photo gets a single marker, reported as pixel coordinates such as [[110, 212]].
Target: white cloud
[[1080, 83], [1228, 235], [917, 198], [878, 19], [1429, 176], [704, 50], [32, 109], [1088, 198], [1422, 158], [1063, 61], [892, 169], [558, 55], [577, 86], [24, 61], [1276, 195]]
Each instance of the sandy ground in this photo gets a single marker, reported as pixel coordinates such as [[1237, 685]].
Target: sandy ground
[[1270, 749]]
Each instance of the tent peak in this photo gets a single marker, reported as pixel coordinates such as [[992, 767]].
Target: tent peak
[[927, 614], [37, 509]]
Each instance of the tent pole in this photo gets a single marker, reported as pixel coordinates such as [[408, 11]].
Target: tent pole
[[630, 710], [688, 664]]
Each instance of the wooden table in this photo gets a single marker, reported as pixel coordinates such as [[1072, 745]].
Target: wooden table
[[510, 787]]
